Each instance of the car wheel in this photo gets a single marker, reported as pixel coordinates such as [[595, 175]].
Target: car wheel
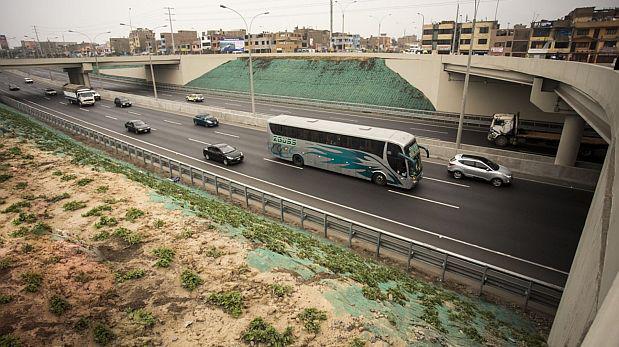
[[457, 175], [297, 160], [226, 162], [379, 179], [497, 182], [501, 141], [206, 157]]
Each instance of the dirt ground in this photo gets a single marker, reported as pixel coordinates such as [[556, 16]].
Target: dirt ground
[[73, 266]]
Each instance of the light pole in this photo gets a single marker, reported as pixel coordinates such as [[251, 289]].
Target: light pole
[[343, 8], [423, 23], [380, 22], [466, 79], [251, 71], [37, 46], [92, 45]]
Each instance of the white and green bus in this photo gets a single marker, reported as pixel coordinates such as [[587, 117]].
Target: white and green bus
[[384, 156]]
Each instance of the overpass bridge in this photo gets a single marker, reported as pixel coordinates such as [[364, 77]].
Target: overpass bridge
[[571, 92]]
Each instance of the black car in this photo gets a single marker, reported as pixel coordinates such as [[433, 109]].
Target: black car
[[223, 153], [122, 102], [13, 87], [205, 120], [50, 92], [137, 126]]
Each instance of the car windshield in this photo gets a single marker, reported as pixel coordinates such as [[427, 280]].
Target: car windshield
[[411, 152], [227, 149], [493, 165], [138, 123], [87, 94]]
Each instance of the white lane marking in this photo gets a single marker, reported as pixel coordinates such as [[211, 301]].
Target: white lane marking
[[280, 163], [153, 129], [83, 109], [440, 236], [166, 94], [344, 119], [135, 113], [226, 134], [430, 131], [425, 199], [106, 106], [198, 141], [62, 103], [171, 122], [554, 184], [447, 182], [110, 117]]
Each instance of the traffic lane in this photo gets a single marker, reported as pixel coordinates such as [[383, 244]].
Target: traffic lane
[[459, 248]]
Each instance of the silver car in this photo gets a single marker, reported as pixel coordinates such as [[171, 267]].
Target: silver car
[[479, 167]]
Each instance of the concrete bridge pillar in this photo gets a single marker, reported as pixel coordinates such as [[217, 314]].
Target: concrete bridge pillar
[[79, 75], [569, 144]]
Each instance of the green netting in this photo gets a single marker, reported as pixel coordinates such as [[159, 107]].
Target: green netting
[[367, 81]]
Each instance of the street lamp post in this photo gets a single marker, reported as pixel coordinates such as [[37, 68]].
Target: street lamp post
[[343, 8], [92, 45], [423, 22], [251, 71], [380, 22]]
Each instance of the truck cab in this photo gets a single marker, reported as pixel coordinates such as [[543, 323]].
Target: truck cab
[[78, 94], [503, 129]]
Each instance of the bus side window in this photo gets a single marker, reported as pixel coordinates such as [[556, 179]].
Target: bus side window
[[395, 158]]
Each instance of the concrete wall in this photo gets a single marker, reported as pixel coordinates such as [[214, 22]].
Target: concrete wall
[[191, 67], [133, 72]]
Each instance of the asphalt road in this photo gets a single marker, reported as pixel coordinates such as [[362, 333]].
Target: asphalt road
[[530, 228]]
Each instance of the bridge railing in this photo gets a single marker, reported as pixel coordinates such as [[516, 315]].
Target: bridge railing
[[381, 242]]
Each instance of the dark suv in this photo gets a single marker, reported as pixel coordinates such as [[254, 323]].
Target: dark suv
[[122, 102], [137, 126], [205, 120], [223, 153]]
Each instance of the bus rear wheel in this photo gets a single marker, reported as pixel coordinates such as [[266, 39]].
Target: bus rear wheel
[[297, 160], [379, 179]]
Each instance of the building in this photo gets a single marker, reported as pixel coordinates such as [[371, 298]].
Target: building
[[344, 42], [510, 42], [210, 39], [287, 42], [481, 46], [378, 43], [119, 45], [314, 39], [4, 43], [439, 37], [594, 34], [183, 40], [260, 43], [550, 39], [142, 40], [407, 42]]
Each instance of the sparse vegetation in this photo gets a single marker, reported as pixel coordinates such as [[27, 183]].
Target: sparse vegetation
[[102, 334], [21, 232], [73, 205], [27, 248], [5, 299], [16, 207], [165, 255], [69, 177], [40, 228], [5, 263], [356, 342], [84, 181], [142, 317], [101, 236], [102, 189], [312, 318], [32, 280], [127, 235], [59, 197], [21, 185], [129, 275], [133, 214], [105, 221], [230, 302], [280, 290], [260, 332], [190, 280], [82, 277], [97, 211], [9, 340], [159, 223], [24, 217], [58, 305], [57, 173], [213, 252], [185, 234], [82, 324], [5, 177]]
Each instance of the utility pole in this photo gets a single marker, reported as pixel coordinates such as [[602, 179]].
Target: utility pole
[[171, 29], [496, 10], [466, 79], [38, 41], [453, 43], [331, 25]]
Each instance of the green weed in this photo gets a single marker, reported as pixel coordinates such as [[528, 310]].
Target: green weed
[[5, 263], [16, 207], [105, 221], [27, 248], [190, 280], [57, 173], [25, 218], [66, 177], [5, 177], [142, 317], [32, 280], [82, 277], [133, 214], [159, 224], [5, 299], [280, 290], [185, 234], [127, 235], [21, 232], [101, 236], [230, 302], [165, 255], [58, 305], [9, 340], [102, 334], [73, 205], [82, 324], [40, 228], [102, 189], [260, 332], [97, 211], [356, 342], [21, 185], [213, 252], [312, 318], [58, 197], [84, 181], [129, 275]]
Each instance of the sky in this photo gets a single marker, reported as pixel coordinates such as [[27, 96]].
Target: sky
[[93, 18]]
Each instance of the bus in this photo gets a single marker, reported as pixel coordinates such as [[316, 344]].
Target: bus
[[383, 156]]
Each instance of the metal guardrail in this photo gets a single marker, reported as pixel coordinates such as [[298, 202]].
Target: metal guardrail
[[329, 224]]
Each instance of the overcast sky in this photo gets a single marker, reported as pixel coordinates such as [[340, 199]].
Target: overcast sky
[[55, 18]]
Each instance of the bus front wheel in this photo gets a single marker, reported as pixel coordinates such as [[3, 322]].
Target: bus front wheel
[[379, 179], [297, 160]]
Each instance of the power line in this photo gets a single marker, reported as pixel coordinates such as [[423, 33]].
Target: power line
[[171, 29]]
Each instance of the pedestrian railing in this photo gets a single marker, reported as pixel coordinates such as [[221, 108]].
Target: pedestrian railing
[[328, 224]]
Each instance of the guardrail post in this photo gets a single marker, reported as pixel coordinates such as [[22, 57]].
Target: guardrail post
[[380, 236], [216, 186], [444, 267], [170, 167], [326, 224], [144, 157], [281, 209], [246, 196], [527, 295], [264, 206], [483, 280], [350, 232], [160, 163], [191, 175], [302, 217], [230, 189], [411, 253], [203, 179], [115, 146]]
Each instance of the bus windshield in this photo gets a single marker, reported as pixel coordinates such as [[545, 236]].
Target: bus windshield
[[411, 151]]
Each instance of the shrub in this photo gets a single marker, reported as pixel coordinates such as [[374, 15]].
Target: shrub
[[102, 189], [21, 185], [105, 221], [165, 255], [312, 318], [5, 299], [185, 234], [82, 277], [356, 342], [102, 235], [159, 224], [57, 173], [82, 324], [9, 340], [97, 211], [25, 218], [84, 181], [260, 332], [59, 197], [32, 280], [280, 290], [5, 263], [127, 235], [102, 334], [213, 252], [41, 228], [58, 305], [130, 275], [21, 232], [142, 317], [66, 177], [230, 302], [16, 207], [133, 214], [190, 280], [5, 177], [73, 205], [27, 248]]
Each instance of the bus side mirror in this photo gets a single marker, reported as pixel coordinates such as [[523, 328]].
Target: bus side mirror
[[427, 152]]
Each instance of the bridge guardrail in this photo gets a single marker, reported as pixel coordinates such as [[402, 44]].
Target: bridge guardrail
[[487, 276]]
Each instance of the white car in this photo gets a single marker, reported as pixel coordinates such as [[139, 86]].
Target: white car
[[28, 80]]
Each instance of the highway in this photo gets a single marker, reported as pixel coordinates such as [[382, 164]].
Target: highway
[[530, 228]]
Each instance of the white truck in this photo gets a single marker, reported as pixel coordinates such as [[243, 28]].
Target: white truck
[[78, 94], [505, 130]]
